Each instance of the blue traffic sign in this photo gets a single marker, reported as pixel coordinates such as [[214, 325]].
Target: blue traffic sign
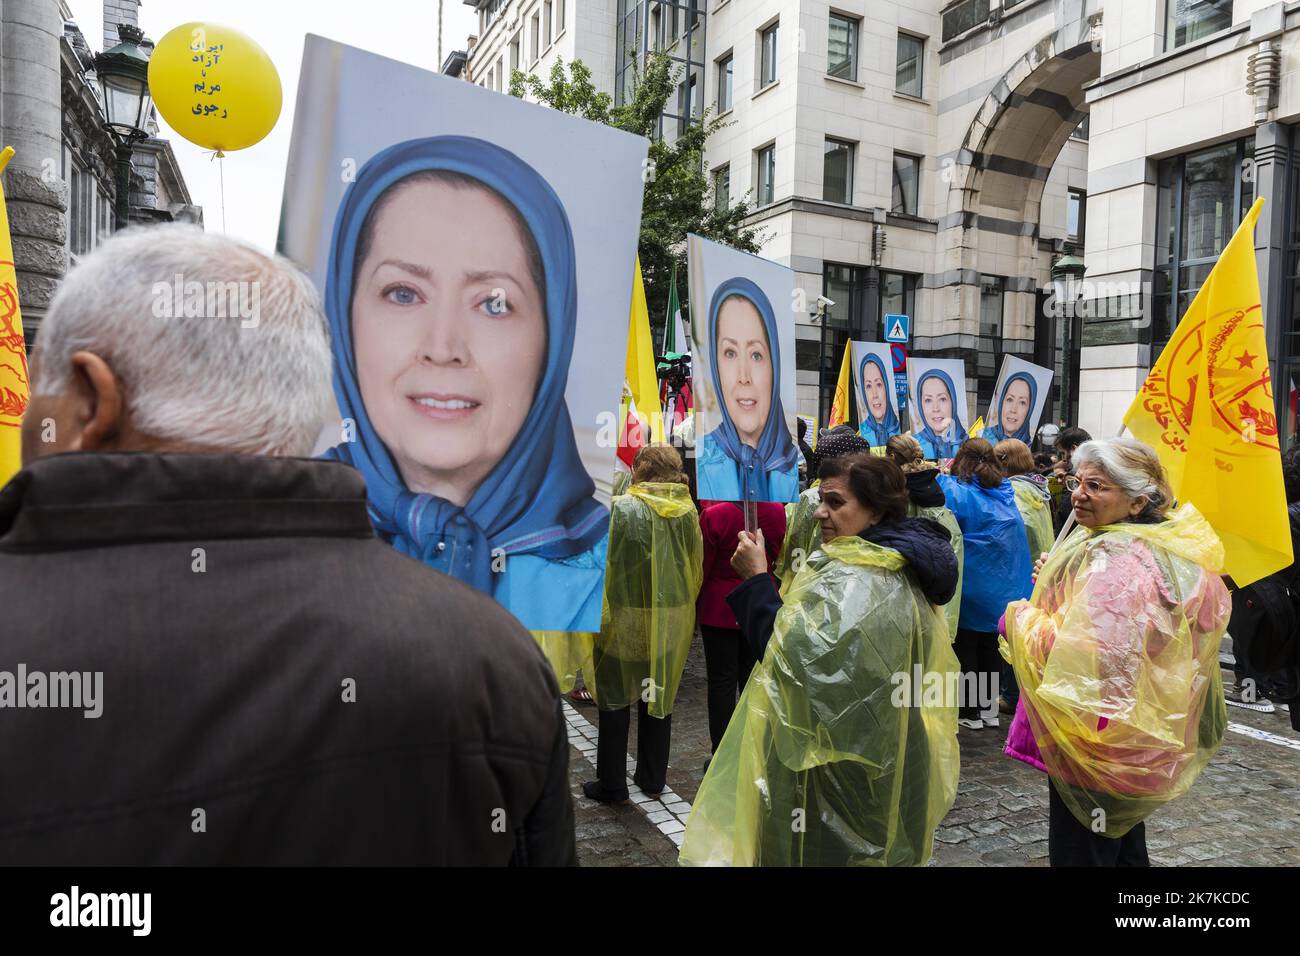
[[897, 328]]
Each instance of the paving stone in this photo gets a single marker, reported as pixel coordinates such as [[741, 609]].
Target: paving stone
[[951, 834], [982, 844]]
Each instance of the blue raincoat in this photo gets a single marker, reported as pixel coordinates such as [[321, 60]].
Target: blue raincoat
[[532, 534], [727, 469], [996, 433], [997, 566], [937, 447], [877, 433]]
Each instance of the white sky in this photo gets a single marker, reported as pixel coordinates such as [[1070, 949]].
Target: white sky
[[254, 178]]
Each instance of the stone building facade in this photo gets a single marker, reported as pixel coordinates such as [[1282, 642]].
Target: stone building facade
[[941, 158], [60, 184], [847, 130]]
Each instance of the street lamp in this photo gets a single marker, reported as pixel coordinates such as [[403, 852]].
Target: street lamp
[[123, 74]]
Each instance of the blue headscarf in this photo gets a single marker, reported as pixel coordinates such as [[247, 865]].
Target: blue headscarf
[[996, 433], [877, 433], [776, 451], [946, 445], [539, 498]]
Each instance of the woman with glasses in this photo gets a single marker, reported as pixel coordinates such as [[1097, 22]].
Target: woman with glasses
[[1116, 653]]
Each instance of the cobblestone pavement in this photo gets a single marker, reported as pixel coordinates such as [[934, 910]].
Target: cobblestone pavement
[[1244, 810]]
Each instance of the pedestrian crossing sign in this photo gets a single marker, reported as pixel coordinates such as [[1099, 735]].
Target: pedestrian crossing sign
[[897, 327]]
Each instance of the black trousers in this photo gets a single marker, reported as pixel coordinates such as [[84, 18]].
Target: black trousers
[[1070, 843], [652, 739], [727, 661], [981, 669]]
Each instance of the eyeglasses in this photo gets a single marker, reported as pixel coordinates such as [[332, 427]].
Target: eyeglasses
[[1092, 486]]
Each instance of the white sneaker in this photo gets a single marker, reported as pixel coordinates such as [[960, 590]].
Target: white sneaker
[[1261, 705], [992, 721], [970, 723]]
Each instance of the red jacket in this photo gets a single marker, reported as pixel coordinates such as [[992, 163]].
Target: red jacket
[[721, 523]]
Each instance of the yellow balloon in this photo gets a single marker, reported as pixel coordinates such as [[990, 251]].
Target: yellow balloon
[[215, 86]]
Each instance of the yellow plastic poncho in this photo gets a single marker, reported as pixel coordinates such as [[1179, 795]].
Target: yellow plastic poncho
[[1035, 506], [833, 756], [654, 573], [622, 481], [1117, 655], [951, 610], [803, 536], [568, 652]]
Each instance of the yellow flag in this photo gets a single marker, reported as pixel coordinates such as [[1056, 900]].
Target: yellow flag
[[13, 347], [977, 428], [1207, 409], [641, 378], [840, 405]]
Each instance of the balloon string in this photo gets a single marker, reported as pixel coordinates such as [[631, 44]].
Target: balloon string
[[221, 177]]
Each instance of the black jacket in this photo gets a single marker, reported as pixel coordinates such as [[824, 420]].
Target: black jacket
[[922, 541], [927, 545], [230, 602], [923, 489]]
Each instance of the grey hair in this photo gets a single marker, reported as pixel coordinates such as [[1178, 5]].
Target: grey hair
[[216, 343], [1132, 465]]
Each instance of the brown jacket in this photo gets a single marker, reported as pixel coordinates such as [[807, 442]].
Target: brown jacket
[[278, 686]]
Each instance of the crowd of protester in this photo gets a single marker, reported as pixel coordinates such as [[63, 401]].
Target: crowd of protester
[[182, 493]]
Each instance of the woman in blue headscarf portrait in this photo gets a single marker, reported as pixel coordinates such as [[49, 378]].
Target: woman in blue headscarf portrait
[[942, 432], [1015, 408], [750, 456], [452, 301], [879, 421]]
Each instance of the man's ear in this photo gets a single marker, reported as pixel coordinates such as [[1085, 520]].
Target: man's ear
[[99, 402]]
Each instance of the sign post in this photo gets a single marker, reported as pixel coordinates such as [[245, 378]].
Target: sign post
[[898, 329]]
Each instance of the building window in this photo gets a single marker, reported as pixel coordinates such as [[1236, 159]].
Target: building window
[[907, 178], [90, 211], [842, 48], [837, 172], [1076, 212], [1187, 21], [990, 340], [767, 57], [897, 295], [724, 83], [908, 72], [547, 33], [535, 34], [514, 52], [1202, 199], [559, 17], [846, 286], [687, 103], [722, 188], [766, 174], [967, 15], [1286, 344]]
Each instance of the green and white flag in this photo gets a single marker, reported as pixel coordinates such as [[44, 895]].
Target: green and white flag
[[674, 337]]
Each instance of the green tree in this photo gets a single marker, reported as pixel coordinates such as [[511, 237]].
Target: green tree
[[678, 195]]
